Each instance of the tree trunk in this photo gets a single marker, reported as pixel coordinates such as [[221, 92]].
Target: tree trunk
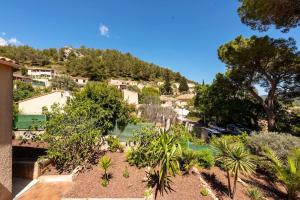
[[229, 184], [271, 118], [234, 184]]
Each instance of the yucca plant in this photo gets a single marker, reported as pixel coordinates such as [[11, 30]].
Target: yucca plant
[[236, 160], [105, 163], [168, 151], [289, 174]]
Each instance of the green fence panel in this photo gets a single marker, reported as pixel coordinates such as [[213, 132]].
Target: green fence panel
[[26, 122], [129, 130]]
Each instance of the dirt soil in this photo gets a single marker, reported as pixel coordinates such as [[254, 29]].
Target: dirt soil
[[217, 179], [88, 183], [186, 187]]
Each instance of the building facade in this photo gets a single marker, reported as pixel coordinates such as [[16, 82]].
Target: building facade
[[35, 105]]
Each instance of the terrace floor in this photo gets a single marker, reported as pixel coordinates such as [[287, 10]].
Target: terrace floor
[[46, 191]]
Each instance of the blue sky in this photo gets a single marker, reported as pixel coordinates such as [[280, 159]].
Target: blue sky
[[178, 34]]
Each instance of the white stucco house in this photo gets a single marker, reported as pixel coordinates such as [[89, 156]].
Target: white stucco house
[[131, 97], [34, 106], [81, 81], [41, 72]]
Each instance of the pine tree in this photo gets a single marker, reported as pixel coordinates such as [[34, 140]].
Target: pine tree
[[183, 86]]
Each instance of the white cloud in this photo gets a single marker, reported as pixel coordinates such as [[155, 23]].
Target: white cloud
[[12, 41], [104, 30], [3, 42]]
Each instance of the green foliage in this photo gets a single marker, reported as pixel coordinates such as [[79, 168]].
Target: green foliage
[[191, 159], [166, 88], [254, 194], [95, 64], [289, 174], [149, 95], [133, 88], [272, 64], [231, 139], [23, 90], [236, 159], [74, 133], [114, 144], [183, 85], [64, 83], [280, 143], [126, 172], [224, 102], [204, 192], [105, 163], [261, 14]]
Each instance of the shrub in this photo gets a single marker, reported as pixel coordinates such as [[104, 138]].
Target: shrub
[[126, 172], [254, 193], [205, 158], [280, 143], [105, 163], [204, 192], [114, 144], [191, 158]]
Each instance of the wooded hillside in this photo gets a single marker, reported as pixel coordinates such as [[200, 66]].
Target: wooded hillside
[[95, 64]]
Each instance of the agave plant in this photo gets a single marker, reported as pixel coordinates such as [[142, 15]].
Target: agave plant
[[289, 174], [236, 160]]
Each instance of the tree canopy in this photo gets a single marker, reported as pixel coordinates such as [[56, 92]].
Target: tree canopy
[[224, 103], [74, 132], [183, 85], [273, 64], [260, 14]]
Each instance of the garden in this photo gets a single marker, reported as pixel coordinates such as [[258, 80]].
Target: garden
[[153, 163]]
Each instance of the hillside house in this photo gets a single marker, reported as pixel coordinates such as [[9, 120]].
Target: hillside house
[[35, 105], [130, 97], [81, 81], [184, 99], [41, 72]]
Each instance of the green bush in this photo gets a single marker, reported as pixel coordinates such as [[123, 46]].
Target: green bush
[[280, 143], [254, 193], [191, 158], [204, 192], [114, 144]]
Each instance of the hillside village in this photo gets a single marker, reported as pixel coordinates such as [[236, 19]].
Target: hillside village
[[32, 108]]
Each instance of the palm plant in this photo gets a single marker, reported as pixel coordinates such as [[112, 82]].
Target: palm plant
[[168, 151], [236, 160], [289, 174], [105, 163]]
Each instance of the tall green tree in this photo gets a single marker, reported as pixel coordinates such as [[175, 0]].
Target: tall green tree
[[273, 64], [224, 102], [261, 14], [183, 85], [166, 88], [74, 132], [64, 83]]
